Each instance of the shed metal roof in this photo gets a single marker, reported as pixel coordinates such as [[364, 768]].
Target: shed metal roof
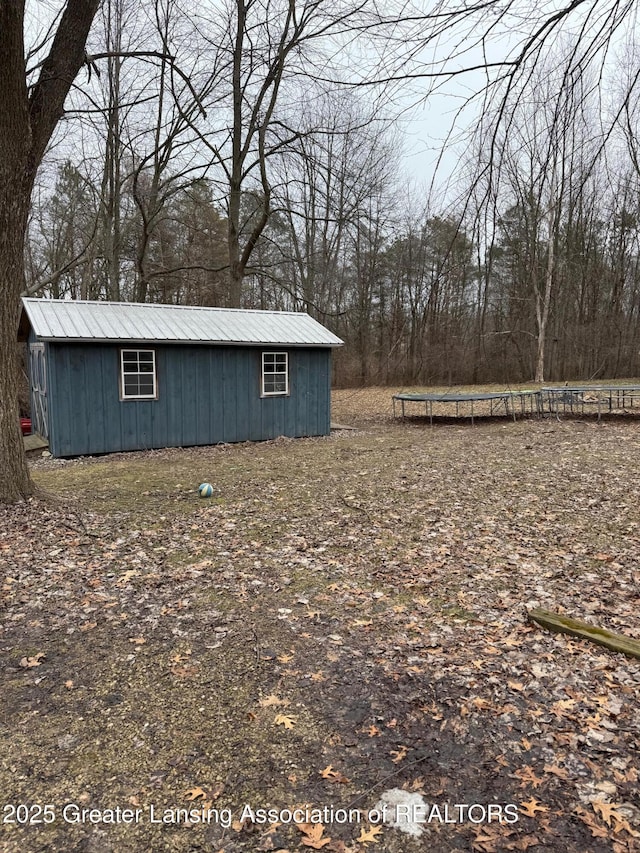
[[129, 322]]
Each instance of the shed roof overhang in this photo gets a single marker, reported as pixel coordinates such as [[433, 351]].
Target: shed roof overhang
[[82, 321]]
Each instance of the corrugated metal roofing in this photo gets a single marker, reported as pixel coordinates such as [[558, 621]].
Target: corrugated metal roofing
[[78, 320]]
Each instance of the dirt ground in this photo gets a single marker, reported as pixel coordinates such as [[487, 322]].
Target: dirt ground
[[345, 616]]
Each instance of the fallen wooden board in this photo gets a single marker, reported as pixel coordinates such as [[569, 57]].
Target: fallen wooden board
[[585, 631], [34, 442]]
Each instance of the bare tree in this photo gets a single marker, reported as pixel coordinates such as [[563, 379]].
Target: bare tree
[[63, 238], [344, 157], [262, 51], [545, 158]]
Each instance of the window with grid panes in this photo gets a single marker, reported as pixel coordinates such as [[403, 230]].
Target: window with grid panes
[[138, 374], [275, 374]]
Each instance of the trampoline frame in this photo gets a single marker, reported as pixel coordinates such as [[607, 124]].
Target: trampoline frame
[[496, 400], [552, 400], [572, 398]]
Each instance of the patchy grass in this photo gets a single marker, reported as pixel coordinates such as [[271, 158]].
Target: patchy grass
[[371, 587]]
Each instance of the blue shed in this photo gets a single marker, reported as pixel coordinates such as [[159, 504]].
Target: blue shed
[[112, 376]]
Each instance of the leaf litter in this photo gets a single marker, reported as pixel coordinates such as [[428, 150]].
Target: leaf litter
[[375, 585]]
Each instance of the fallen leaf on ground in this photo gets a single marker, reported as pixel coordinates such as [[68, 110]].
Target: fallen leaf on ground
[[399, 754], [607, 811], [36, 660], [531, 807], [271, 701], [528, 777], [597, 830], [285, 720], [313, 835], [560, 772], [369, 836], [194, 793], [334, 775]]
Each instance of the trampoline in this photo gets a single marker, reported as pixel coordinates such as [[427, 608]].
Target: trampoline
[[602, 398], [500, 402]]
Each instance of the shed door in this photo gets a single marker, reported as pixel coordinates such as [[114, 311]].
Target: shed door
[[38, 373]]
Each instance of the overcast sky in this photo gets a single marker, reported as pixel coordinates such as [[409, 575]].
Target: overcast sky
[[427, 121]]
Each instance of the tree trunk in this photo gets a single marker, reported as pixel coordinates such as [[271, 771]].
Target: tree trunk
[[542, 309], [234, 297], [236, 273], [15, 192], [543, 300], [15, 483], [27, 120]]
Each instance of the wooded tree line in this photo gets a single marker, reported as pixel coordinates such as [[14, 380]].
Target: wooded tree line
[[416, 302], [533, 270]]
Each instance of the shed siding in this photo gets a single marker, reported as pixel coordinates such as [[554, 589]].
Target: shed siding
[[206, 395]]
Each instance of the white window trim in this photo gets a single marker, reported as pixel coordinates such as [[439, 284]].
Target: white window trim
[[264, 373], [124, 396]]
